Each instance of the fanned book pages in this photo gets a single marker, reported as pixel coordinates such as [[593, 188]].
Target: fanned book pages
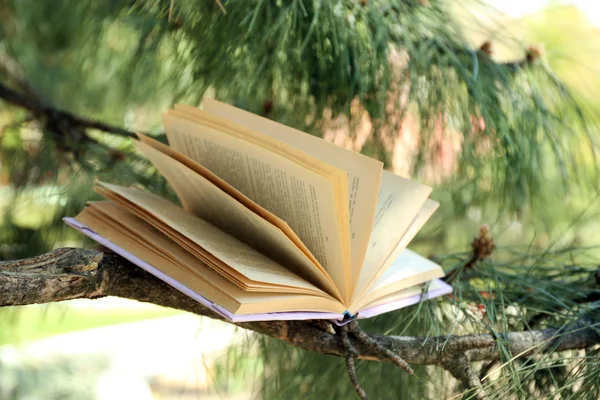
[[272, 223]]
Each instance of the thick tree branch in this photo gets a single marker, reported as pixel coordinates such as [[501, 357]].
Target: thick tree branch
[[86, 273]]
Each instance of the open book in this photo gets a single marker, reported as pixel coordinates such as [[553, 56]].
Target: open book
[[273, 224]]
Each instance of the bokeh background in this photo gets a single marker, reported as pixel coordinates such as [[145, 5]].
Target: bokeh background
[[121, 71]]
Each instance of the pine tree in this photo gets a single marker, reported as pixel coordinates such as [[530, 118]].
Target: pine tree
[[401, 81]]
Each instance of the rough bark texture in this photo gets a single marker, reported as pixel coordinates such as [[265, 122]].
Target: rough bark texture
[[87, 273]]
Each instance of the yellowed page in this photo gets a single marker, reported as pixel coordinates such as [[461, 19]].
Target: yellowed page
[[291, 303], [225, 126], [304, 199], [211, 286], [234, 193], [234, 276], [151, 246], [399, 201], [407, 270], [364, 173], [116, 215], [422, 217], [337, 178], [406, 265], [205, 200], [250, 276], [403, 294], [226, 248]]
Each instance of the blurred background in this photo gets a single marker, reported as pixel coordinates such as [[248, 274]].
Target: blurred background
[[122, 62]]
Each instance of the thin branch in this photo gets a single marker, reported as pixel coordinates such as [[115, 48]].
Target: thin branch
[[351, 354], [11, 70], [460, 368], [537, 319], [67, 126], [221, 6], [354, 379], [50, 116], [377, 346], [85, 273]]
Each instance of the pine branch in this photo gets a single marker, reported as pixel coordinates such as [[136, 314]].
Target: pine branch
[[588, 298], [67, 128], [55, 119], [87, 273], [10, 69]]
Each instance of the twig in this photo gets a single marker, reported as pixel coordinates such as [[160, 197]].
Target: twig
[[366, 340], [483, 55], [13, 73], [221, 6], [460, 368], [385, 353], [351, 354], [68, 127], [483, 246], [50, 116], [590, 297]]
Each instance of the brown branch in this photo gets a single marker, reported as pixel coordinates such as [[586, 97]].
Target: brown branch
[[367, 340], [52, 117], [86, 273], [351, 355], [11, 70], [537, 319], [91, 273], [460, 368], [66, 124]]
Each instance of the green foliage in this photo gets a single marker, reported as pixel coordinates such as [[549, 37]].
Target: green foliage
[[518, 290], [307, 57], [526, 164]]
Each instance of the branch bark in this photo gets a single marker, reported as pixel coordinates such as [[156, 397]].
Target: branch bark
[[90, 273]]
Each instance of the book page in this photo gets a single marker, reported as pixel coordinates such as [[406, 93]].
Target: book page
[[399, 201], [234, 194], [336, 177], [422, 217], [146, 243], [421, 292], [407, 270], [304, 199], [231, 252], [364, 173], [406, 265], [205, 200], [127, 222], [205, 282]]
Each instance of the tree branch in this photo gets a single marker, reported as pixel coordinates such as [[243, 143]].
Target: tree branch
[[87, 273], [461, 369], [52, 116], [63, 123]]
